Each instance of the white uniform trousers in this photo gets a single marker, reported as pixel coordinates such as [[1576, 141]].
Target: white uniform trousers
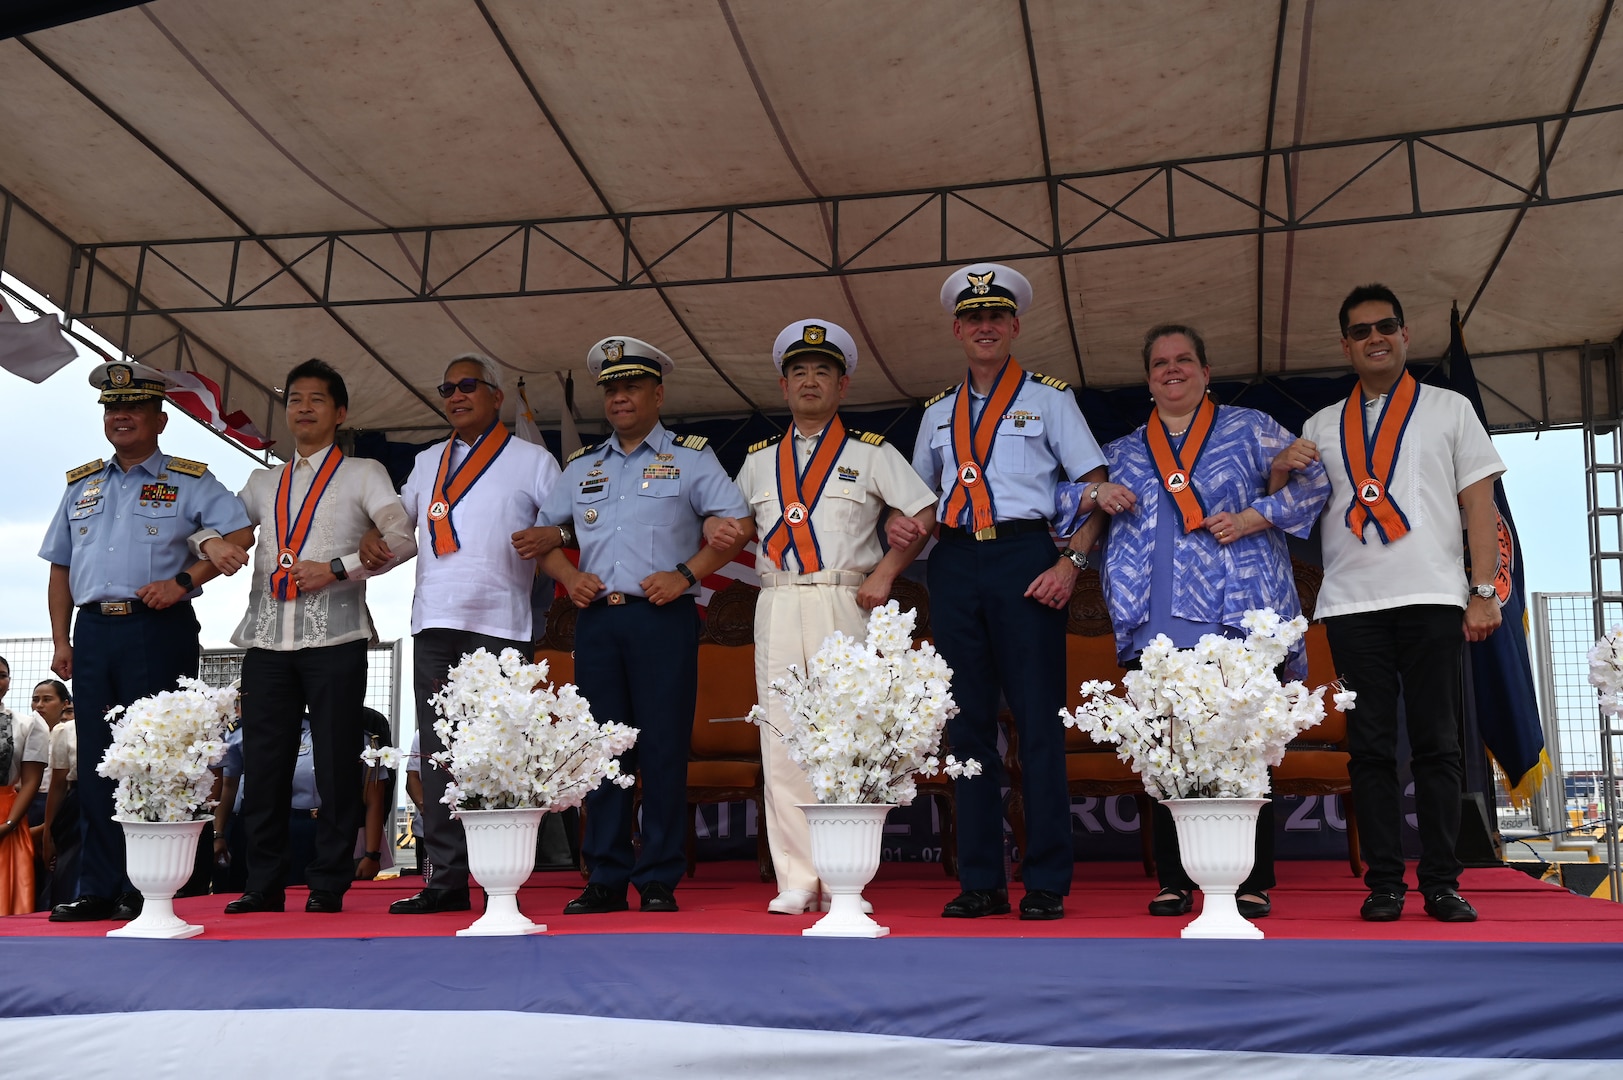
[[791, 622]]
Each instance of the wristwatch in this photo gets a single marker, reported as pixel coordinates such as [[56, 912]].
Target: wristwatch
[[566, 536], [1093, 494], [682, 568], [1079, 559], [1486, 592], [338, 571], [184, 580]]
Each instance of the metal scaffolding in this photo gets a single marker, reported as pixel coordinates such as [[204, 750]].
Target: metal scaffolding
[[1603, 471]]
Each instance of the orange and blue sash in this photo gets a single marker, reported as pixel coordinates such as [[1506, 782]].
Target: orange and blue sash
[[972, 447], [1371, 458], [292, 530], [1177, 468], [798, 493], [450, 485]]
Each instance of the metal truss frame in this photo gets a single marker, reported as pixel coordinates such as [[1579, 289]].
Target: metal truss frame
[[1080, 220]]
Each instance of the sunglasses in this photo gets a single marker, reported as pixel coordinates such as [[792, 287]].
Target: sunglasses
[[467, 386], [1358, 331]]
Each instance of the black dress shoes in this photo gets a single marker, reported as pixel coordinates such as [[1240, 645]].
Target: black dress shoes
[[975, 903], [1041, 905], [429, 901], [1172, 901], [1382, 907], [657, 896], [251, 903], [600, 900], [128, 906], [84, 909], [324, 902], [1446, 905]]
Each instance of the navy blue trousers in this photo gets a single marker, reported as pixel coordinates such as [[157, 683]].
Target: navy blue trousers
[[639, 665], [995, 638], [117, 659]]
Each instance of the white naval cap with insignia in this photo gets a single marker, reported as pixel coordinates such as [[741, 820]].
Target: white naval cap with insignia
[[985, 285], [815, 336], [624, 357], [127, 380]]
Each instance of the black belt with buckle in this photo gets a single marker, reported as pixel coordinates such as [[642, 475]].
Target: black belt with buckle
[[619, 599], [999, 531], [116, 607]]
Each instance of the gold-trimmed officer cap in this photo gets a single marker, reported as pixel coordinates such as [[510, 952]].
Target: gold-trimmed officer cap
[[122, 381], [985, 285], [815, 337], [622, 357]]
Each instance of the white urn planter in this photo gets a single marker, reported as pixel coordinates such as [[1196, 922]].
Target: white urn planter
[[501, 855], [1217, 839], [159, 857], [845, 845]]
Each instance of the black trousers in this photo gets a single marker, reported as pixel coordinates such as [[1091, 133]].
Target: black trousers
[[277, 689], [435, 651], [1416, 650], [117, 659], [994, 637], [639, 664]]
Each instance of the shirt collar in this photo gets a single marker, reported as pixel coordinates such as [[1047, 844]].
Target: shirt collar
[[153, 465], [315, 460], [657, 440]]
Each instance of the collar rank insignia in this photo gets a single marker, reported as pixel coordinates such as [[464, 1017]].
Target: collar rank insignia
[[981, 284]]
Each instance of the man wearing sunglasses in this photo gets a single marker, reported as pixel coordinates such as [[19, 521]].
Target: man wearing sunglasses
[[476, 501], [1404, 460]]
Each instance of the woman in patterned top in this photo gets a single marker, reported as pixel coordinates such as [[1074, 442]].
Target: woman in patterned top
[[1198, 501]]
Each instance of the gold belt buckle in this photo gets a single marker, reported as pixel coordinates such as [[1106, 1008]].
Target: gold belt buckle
[[988, 533], [115, 607], [616, 599]]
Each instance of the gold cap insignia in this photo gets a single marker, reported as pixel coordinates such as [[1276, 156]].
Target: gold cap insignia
[[118, 376], [613, 351], [813, 335], [981, 284]]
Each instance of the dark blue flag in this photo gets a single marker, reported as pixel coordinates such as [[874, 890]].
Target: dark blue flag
[[1501, 667]]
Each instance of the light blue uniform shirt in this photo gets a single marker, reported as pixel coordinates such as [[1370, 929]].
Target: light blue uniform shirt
[[1041, 441], [638, 513], [118, 531]]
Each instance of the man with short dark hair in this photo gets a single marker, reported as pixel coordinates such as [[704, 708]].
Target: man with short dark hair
[[1404, 459], [476, 501], [306, 633], [118, 552]]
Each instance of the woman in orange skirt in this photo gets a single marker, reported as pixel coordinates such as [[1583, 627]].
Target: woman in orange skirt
[[24, 749]]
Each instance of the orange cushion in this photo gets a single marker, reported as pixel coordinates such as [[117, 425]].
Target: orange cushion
[[560, 665], [723, 774], [726, 692], [1326, 768], [1321, 671]]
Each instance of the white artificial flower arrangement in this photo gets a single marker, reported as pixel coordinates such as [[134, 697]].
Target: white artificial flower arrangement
[[513, 740], [163, 749], [867, 716], [1606, 671], [1209, 721]]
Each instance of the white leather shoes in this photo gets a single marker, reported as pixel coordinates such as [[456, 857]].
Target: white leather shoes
[[827, 900], [792, 902]]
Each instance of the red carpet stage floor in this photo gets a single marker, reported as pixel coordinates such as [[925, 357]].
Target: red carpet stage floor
[[1313, 901]]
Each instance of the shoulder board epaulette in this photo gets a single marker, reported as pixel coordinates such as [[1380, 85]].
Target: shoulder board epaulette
[[692, 442], [1049, 380], [576, 454], [85, 470], [764, 443], [187, 467], [940, 396], [872, 438]]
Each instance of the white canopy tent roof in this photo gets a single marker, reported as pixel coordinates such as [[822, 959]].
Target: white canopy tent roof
[[235, 187]]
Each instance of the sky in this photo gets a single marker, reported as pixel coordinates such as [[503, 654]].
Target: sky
[[52, 427]]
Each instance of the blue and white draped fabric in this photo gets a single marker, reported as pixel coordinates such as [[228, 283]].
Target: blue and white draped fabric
[[1211, 583]]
